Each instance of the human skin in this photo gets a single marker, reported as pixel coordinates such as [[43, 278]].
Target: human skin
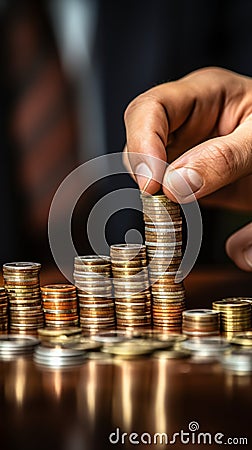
[[202, 125]]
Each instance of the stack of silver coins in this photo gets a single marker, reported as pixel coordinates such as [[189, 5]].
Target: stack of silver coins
[[235, 314], [163, 239], [60, 305], [13, 346], [201, 322], [92, 277], [131, 286], [3, 311], [57, 357], [206, 347], [21, 281]]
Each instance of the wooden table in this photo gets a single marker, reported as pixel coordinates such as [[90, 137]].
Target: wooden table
[[78, 408]]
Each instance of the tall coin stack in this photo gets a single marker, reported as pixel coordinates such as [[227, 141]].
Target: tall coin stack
[[3, 311], [163, 239], [60, 305], [235, 314], [131, 286], [92, 277], [21, 281]]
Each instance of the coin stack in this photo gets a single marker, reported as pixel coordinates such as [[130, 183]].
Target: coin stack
[[235, 314], [59, 357], [21, 281], [201, 322], [60, 305], [131, 286], [3, 311], [163, 239], [12, 346], [92, 276]]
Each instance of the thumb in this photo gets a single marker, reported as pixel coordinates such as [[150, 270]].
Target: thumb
[[210, 165], [239, 247]]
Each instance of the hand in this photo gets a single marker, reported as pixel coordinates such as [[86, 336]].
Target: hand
[[203, 123]]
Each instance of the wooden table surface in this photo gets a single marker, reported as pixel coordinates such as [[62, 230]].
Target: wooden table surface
[[78, 408]]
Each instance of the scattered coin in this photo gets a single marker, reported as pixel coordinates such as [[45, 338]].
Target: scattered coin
[[205, 347], [238, 362]]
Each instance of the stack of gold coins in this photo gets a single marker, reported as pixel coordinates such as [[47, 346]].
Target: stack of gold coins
[[163, 239], [3, 311], [92, 277], [21, 280], [131, 286], [235, 314], [60, 305], [201, 322]]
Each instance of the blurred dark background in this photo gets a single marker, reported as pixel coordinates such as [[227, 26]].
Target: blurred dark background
[[68, 70]]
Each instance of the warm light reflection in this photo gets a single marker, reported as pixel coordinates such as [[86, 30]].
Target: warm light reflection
[[127, 395], [160, 398], [57, 383], [91, 390], [20, 382]]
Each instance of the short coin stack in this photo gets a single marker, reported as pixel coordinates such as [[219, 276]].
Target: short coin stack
[[21, 280], [12, 346], [235, 314], [92, 276], [60, 305], [131, 286], [201, 322], [3, 311], [163, 239]]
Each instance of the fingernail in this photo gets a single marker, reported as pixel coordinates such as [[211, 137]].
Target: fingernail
[[247, 253], [183, 182], [143, 175]]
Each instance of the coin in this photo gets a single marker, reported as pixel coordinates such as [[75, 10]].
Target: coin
[[171, 354], [131, 348], [163, 239], [131, 286], [3, 310], [21, 281], [92, 276], [60, 314], [238, 362], [59, 357], [235, 314], [16, 345], [244, 339], [201, 322], [204, 347]]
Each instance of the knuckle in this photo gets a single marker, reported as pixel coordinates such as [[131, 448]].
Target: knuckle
[[147, 100], [225, 159]]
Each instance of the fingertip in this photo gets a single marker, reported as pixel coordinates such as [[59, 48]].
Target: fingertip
[[239, 248]]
